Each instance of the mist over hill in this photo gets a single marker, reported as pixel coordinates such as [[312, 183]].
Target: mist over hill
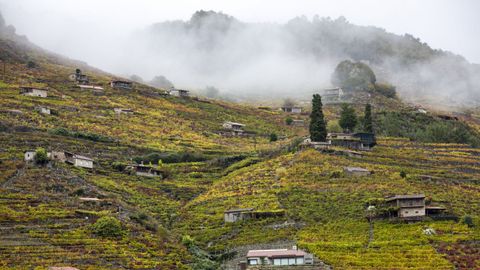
[[296, 58]]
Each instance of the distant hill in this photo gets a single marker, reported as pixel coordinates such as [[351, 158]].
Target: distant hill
[[298, 57]]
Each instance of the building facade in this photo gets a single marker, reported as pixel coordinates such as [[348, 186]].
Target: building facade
[[34, 92]]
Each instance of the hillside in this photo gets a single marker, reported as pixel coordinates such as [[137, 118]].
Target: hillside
[[56, 214], [296, 58]]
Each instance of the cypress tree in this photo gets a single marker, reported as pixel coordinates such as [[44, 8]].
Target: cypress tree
[[367, 120], [318, 127], [348, 119]]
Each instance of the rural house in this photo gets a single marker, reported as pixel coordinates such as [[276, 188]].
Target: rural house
[[79, 161], [179, 92], [233, 126], [332, 95], [79, 77], [412, 207], [234, 215], [278, 257], [120, 111], [291, 109], [358, 141], [148, 171], [356, 171], [33, 92], [118, 84], [298, 123], [43, 110]]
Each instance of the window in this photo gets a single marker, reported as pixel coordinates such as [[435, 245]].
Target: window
[[416, 212], [291, 261], [252, 261], [276, 261], [300, 260], [284, 261]]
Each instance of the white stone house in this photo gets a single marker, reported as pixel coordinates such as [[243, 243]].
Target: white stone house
[[124, 111], [179, 92], [292, 109], [279, 257], [408, 206], [118, 84], [332, 95], [43, 110], [356, 171], [234, 215], [34, 92], [78, 160], [148, 171]]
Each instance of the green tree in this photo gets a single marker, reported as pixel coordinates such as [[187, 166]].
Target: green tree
[[41, 155], [318, 129], [108, 227], [348, 119], [288, 121], [354, 75], [367, 119], [273, 137]]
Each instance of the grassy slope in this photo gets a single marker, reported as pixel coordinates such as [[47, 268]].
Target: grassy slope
[[331, 208], [40, 205], [41, 217]]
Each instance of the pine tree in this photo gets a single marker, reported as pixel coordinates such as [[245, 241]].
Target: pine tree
[[367, 120], [348, 119], [318, 129]]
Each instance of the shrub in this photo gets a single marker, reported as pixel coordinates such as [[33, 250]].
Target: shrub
[[273, 137], [119, 166], [403, 174], [82, 135], [288, 121], [41, 156], [108, 227], [31, 64], [467, 220]]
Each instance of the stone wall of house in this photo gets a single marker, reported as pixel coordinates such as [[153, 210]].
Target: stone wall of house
[[319, 266]]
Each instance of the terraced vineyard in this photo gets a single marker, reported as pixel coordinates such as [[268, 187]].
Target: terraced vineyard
[[50, 213]]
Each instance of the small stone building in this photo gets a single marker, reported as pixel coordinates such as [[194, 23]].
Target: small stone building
[[298, 123], [357, 141], [179, 93], [148, 171], [232, 129], [124, 111], [332, 95], [278, 257], [78, 160], [234, 215], [356, 171], [43, 110], [408, 206], [292, 109], [118, 84], [33, 92]]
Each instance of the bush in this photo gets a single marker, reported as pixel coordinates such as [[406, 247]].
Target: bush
[[467, 220], [41, 156], [403, 174], [31, 64], [288, 121], [119, 166], [108, 227], [273, 137]]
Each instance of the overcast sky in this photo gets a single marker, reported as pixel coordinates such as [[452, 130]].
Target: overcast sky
[[55, 24]]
